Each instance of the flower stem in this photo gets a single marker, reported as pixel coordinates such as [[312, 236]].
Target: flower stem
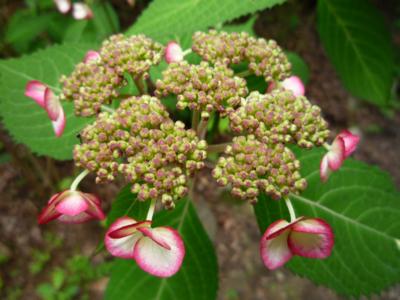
[[139, 84], [202, 128], [291, 209], [244, 73], [78, 179], [195, 119], [107, 109], [327, 146], [187, 51], [217, 147], [150, 212]]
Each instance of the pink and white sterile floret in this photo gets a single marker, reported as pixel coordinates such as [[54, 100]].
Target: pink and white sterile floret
[[92, 56], [158, 251], [72, 206], [63, 6], [342, 147], [45, 97], [306, 237]]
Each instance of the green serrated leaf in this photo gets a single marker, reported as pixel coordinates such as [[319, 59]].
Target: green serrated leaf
[[164, 20], [359, 46], [197, 279], [248, 26], [28, 122], [362, 205]]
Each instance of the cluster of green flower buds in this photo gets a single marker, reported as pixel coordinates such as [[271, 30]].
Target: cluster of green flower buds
[[251, 167], [265, 58], [96, 80], [134, 55], [90, 85], [202, 87], [280, 117], [142, 143]]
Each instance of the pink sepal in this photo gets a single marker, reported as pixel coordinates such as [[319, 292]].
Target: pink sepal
[[173, 52], [157, 260], [81, 11], [324, 170], [35, 89], [274, 249], [92, 56], [336, 154], [312, 238], [129, 229], [59, 124], [63, 6], [52, 104], [350, 142], [122, 246]]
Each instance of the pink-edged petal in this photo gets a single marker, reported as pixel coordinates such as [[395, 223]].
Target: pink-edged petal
[[49, 213], [78, 219], [94, 207], [63, 6], [294, 84], [149, 232], [311, 238], [129, 229], [52, 104], [350, 141], [35, 89], [121, 247], [59, 124], [274, 249], [173, 52], [92, 56], [157, 260], [336, 155], [324, 170], [81, 11], [72, 203]]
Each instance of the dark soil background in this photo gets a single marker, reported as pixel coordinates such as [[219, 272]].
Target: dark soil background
[[27, 181]]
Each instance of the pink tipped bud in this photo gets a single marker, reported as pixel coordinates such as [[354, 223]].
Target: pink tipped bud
[[71, 207], [63, 6], [81, 11], [173, 53], [92, 56], [293, 83]]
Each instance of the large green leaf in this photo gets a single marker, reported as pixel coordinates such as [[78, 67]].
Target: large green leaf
[[359, 46], [26, 121], [165, 20], [362, 206], [197, 279]]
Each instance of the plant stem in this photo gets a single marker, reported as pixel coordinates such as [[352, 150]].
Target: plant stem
[[187, 51], [107, 109], [202, 128], [150, 212], [139, 84], [195, 119], [244, 73], [327, 146], [291, 209], [217, 147], [78, 179]]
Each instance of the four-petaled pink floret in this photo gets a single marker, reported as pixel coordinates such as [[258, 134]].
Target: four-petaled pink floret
[[72, 207], [307, 237], [158, 251], [342, 147], [45, 97]]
